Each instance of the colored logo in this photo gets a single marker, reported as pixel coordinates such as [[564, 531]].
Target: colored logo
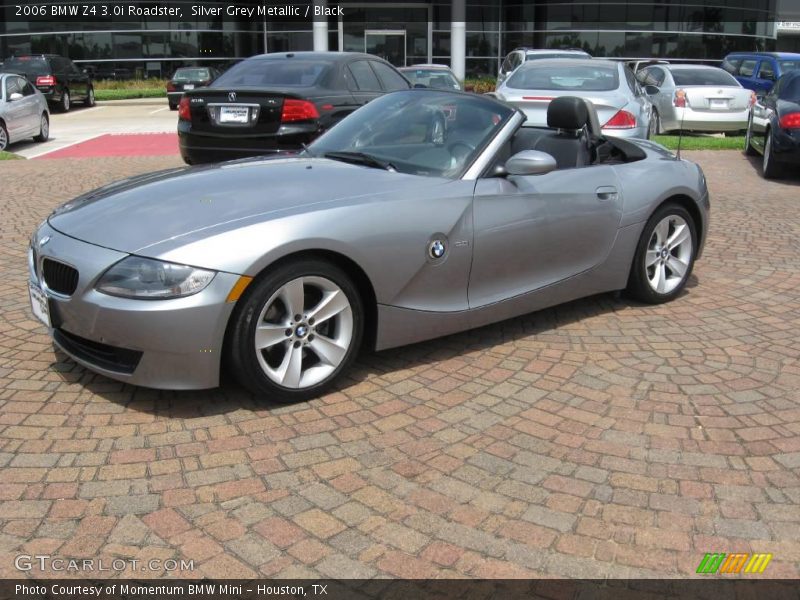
[[733, 564]]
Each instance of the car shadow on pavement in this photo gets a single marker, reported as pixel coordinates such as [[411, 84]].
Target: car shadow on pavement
[[231, 397], [789, 176]]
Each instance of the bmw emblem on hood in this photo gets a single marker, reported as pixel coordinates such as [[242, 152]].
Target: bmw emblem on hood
[[232, 96]]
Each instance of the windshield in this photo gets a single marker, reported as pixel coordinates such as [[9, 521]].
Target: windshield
[[32, 66], [432, 78], [191, 75], [420, 132], [563, 77], [703, 77], [269, 72], [789, 65]]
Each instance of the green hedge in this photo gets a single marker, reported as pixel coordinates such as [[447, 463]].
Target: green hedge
[[127, 94], [10, 156]]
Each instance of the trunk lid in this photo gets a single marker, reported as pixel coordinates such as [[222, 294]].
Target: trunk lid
[[716, 98], [534, 104]]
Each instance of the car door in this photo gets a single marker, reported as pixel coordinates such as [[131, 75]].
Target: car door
[[763, 112], [16, 117], [30, 105], [534, 231], [746, 73], [367, 87]]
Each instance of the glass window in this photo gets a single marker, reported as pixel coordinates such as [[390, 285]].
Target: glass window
[[433, 78], [191, 75], [30, 66], [702, 76], [364, 76], [260, 71], [747, 68], [573, 78], [13, 86], [27, 88], [766, 71], [730, 65], [630, 79], [390, 79], [788, 65], [654, 76]]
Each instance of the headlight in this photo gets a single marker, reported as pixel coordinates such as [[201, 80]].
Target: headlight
[[145, 278]]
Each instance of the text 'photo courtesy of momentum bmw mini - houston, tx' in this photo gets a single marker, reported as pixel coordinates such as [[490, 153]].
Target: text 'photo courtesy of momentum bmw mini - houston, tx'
[[414, 217]]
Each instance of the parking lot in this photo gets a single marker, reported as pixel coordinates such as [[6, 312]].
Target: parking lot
[[601, 438]]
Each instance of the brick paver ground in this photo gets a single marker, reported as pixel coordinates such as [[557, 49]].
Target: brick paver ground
[[599, 438]]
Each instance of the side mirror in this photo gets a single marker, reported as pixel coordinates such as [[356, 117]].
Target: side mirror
[[530, 162], [15, 96], [651, 90]]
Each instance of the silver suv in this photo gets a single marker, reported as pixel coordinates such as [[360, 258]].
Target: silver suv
[[518, 56]]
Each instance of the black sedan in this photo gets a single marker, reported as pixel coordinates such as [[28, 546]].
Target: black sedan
[[188, 78], [774, 126], [278, 102]]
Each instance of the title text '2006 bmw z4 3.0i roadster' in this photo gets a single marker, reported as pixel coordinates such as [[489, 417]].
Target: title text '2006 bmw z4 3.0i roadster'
[[422, 214]]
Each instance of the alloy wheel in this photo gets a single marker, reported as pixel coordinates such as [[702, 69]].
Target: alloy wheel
[[3, 138], [304, 332], [44, 128], [669, 254]]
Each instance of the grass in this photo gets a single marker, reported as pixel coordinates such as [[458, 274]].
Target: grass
[[127, 94], [701, 142], [10, 156]]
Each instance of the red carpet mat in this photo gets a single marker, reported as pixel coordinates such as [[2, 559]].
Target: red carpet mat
[[121, 144]]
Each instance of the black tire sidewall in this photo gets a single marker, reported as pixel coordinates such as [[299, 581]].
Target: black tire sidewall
[[638, 285], [242, 356], [66, 101], [8, 142]]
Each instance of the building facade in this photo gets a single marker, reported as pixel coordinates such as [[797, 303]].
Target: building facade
[[471, 35]]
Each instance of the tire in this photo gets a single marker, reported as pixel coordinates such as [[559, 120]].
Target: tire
[[65, 103], [652, 126], [44, 129], [173, 106], [770, 169], [89, 98], [3, 137], [748, 138], [295, 360], [671, 265]]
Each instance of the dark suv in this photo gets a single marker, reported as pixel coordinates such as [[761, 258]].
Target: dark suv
[[58, 78]]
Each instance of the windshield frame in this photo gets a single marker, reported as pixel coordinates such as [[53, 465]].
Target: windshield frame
[[319, 147]]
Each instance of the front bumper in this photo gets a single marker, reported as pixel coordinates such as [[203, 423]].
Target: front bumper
[[166, 344]]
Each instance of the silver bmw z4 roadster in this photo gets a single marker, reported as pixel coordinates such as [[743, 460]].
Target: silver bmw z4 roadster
[[422, 214]]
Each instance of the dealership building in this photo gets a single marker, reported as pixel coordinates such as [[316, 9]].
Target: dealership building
[[472, 36]]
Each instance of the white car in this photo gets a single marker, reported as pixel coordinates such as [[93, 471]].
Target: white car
[[23, 111]]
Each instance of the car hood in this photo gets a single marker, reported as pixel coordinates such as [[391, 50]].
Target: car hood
[[133, 214]]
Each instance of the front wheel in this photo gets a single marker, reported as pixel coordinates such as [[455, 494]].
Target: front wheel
[[664, 257], [652, 127], [296, 330], [3, 137]]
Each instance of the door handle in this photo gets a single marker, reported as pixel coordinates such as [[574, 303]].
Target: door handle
[[606, 192]]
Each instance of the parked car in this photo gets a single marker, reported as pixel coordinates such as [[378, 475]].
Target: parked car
[[696, 98], [431, 76], [774, 127], [23, 111], [58, 78], [758, 71], [455, 222], [188, 78], [520, 56], [114, 73], [278, 102], [637, 65], [623, 108]]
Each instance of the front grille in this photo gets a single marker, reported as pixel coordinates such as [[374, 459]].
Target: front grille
[[59, 277], [110, 358]]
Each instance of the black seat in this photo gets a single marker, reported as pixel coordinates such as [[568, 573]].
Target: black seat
[[569, 144]]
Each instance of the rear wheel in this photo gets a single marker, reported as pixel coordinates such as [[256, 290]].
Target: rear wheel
[[652, 127], [44, 129], [296, 330], [65, 101], [769, 168], [173, 106], [89, 98], [664, 257]]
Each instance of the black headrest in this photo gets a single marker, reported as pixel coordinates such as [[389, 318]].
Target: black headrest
[[567, 112]]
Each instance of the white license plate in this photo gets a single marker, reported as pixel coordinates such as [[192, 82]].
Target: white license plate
[[188, 86], [718, 103], [39, 305], [234, 114]]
